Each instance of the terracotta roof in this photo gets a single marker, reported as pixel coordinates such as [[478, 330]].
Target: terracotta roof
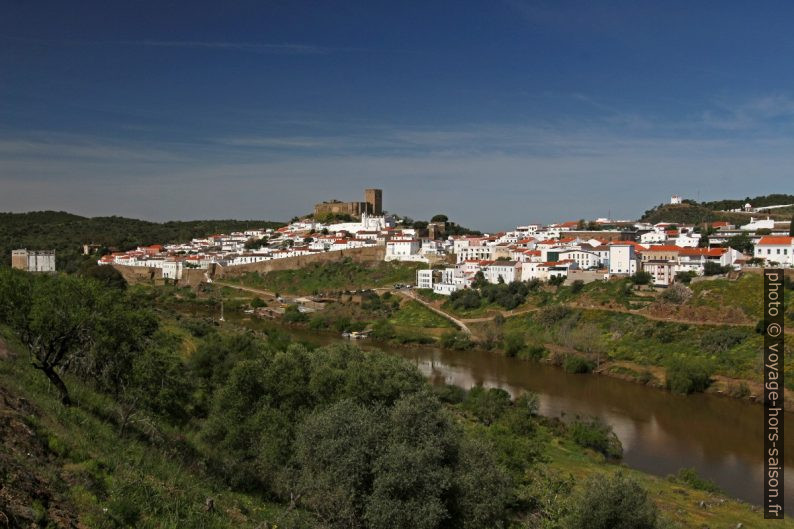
[[663, 248], [776, 240], [708, 252]]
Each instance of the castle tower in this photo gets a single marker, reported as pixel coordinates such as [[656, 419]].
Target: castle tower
[[374, 200]]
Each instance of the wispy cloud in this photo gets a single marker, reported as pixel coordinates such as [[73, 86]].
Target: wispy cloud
[[252, 47]]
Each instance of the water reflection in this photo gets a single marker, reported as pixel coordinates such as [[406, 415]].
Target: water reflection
[[660, 432]]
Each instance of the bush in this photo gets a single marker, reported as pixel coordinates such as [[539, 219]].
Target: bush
[[616, 502], [293, 315], [597, 435], [676, 294], [689, 375], [712, 269], [534, 352], [576, 364], [689, 476], [721, 340], [513, 343], [577, 286], [641, 278], [465, 299], [487, 405], [548, 316], [685, 277], [258, 302], [456, 340]]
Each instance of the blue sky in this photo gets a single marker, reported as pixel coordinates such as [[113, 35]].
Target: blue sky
[[495, 113]]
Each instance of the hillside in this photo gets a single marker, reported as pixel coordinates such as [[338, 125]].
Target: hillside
[[691, 212], [66, 233]]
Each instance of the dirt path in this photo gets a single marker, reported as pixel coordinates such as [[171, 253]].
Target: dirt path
[[410, 295]]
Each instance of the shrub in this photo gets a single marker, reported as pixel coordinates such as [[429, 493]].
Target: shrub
[[456, 340], [534, 352], [548, 316], [689, 476], [258, 302], [710, 268], [293, 315], [721, 340], [676, 294], [487, 405], [641, 278], [685, 277], [576, 364], [617, 502], [513, 343], [689, 375], [465, 299], [577, 286], [597, 435]]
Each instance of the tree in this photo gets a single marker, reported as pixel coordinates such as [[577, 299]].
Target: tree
[[741, 243], [711, 268], [791, 227], [616, 502], [439, 218], [54, 317], [641, 277]]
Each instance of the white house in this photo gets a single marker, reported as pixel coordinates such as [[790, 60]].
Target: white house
[[424, 278], [172, 269], [584, 259], [758, 224], [776, 249], [622, 259], [402, 249], [509, 271]]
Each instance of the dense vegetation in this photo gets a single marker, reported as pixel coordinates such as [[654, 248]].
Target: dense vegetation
[[66, 233], [775, 199], [691, 212], [171, 421], [336, 276]]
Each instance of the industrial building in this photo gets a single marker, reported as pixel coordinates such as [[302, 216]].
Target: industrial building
[[33, 261]]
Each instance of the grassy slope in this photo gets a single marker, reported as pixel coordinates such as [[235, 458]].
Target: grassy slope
[[415, 315], [679, 503], [336, 276], [116, 482], [109, 482]]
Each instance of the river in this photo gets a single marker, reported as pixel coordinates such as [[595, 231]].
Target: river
[[660, 432]]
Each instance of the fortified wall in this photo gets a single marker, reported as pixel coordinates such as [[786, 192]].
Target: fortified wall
[[193, 276]]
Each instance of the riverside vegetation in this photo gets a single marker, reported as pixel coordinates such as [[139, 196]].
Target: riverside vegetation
[[118, 413]]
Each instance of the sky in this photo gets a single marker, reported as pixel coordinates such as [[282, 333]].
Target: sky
[[496, 113]]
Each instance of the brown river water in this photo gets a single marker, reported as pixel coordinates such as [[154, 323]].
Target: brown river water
[[661, 433]]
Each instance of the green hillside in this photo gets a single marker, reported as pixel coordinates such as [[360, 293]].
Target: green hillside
[[66, 233]]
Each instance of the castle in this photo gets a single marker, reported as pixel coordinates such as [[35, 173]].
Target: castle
[[372, 205]]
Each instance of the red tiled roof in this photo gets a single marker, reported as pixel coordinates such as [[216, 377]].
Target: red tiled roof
[[776, 240], [708, 252]]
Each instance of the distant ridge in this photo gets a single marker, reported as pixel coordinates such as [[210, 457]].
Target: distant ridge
[[66, 232]]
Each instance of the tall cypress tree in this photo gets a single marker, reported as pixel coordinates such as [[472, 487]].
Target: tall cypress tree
[[791, 227]]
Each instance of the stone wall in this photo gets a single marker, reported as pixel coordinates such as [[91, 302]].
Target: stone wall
[[192, 277]]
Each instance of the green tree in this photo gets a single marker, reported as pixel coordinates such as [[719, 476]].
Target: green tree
[[641, 277], [55, 317], [616, 502], [439, 218], [741, 242]]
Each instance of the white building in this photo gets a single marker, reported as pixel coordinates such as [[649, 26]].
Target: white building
[[32, 261], [424, 278], [172, 270], [403, 249], [622, 259], [776, 249], [509, 271], [584, 259]]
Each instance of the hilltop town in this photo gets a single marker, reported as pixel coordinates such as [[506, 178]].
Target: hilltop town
[[565, 252]]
